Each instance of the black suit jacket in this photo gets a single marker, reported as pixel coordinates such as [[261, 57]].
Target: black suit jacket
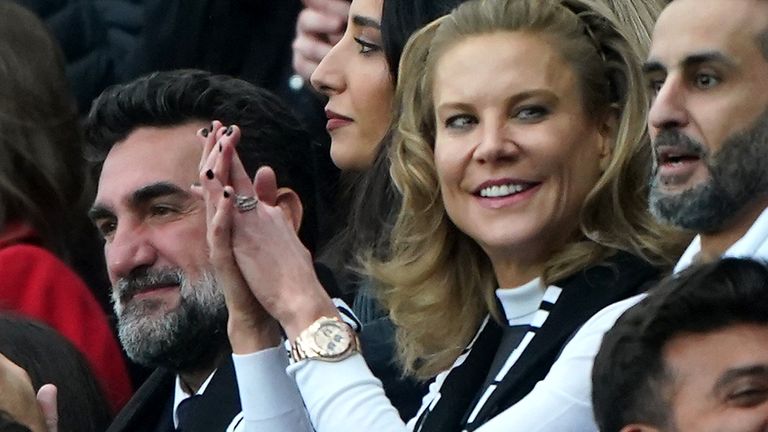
[[151, 408]]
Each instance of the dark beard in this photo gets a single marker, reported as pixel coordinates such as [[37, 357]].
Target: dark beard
[[738, 175], [187, 338]]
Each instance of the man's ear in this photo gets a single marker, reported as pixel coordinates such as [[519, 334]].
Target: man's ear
[[290, 203], [639, 428]]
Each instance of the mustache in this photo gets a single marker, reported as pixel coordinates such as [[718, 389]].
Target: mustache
[[675, 138], [144, 278]]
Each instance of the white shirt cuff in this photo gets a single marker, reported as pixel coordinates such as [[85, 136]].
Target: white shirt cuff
[[269, 397]]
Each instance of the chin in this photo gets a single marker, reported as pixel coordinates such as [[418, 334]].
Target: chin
[[510, 245], [350, 160]]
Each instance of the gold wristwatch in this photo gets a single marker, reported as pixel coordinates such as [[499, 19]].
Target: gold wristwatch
[[327, 339]]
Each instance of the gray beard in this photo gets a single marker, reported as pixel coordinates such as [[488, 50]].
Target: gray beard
[[738, 175], [189, 337]]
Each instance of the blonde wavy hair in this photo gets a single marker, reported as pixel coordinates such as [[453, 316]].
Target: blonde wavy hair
[[437, 283]]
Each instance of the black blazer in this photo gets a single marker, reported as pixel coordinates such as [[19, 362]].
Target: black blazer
[[583, 294], [151, 408]]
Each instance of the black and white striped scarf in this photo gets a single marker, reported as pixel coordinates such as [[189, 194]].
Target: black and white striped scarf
[[471, 368], [464, 404]]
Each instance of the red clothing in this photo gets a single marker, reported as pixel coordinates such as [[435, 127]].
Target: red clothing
[[35, 283]]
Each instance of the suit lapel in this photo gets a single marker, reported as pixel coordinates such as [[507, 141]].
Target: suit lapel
[[150, 409], [220, 402], [146, 408]]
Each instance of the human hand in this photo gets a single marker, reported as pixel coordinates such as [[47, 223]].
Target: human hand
[[250, 328], [275, 264], [318, 28], [47, 400], [18, 398]]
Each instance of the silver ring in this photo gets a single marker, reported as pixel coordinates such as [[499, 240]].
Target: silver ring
[[245, 203]]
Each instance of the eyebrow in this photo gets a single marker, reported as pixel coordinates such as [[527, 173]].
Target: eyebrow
[[733, 374], [364, 21], [138, 197], [652, 66], [450, 105], [458, 104]]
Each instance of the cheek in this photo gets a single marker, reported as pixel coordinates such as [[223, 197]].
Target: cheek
[[186, 241], [378, 113], [448, 162], [355, 147], [577, 169], [740, 107], [451, 163], [373, 95]]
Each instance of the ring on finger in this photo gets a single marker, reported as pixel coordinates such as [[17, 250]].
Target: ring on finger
[[245, 203]]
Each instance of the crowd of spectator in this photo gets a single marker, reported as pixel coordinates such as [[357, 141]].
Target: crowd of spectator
[[384, 215]]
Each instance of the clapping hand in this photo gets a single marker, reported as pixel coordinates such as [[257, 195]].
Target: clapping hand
[[257, 246]]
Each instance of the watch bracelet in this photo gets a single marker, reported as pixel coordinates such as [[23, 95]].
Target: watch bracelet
[[297, 353]]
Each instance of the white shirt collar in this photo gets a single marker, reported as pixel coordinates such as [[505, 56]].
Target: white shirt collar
[[754, 244], [180, 395], [521, 303]]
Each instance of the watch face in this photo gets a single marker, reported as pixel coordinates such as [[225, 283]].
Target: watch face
[[332, 340]]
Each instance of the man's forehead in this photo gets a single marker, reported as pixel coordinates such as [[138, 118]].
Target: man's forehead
[[690, 27], [151, 155]]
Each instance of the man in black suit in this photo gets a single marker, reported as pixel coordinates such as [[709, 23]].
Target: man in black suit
[[171, 313]]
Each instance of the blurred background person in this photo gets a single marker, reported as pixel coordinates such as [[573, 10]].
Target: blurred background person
[[43, 194], [19, 408], [49, 358], [110, 41], [692, 356]]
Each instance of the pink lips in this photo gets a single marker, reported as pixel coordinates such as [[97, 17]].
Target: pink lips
[[336, 120]]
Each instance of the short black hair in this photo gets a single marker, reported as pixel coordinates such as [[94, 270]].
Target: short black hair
[[271, 135], [629, 378]]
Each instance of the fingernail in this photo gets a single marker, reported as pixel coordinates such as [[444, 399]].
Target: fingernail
[[226, 194], [204, 132], [220, 148], [209, 174], [211, 127], [229, 130]]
